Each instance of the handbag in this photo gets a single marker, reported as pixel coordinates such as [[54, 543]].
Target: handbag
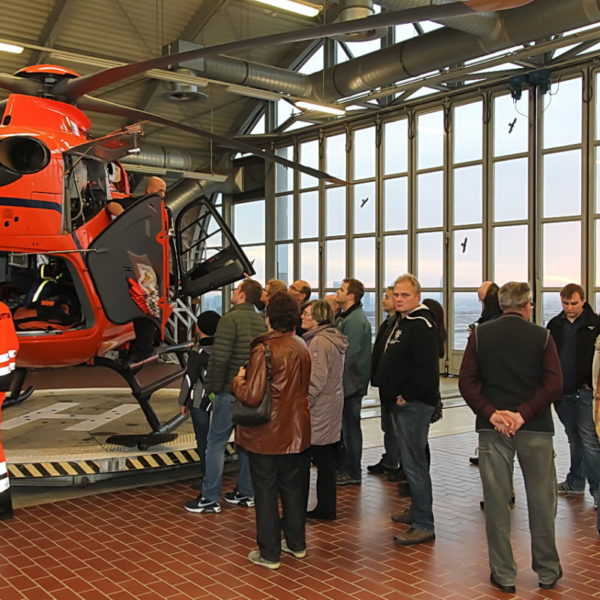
[[251, 416]]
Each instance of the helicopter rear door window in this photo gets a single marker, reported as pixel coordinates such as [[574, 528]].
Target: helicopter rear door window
[[209, 256]]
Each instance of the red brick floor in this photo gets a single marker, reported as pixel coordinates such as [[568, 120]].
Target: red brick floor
[[141, 545]]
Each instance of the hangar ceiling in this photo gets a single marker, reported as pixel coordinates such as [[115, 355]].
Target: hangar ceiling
[[89, 36]]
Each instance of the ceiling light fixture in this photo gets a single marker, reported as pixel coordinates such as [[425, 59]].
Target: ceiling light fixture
[[12, 48], [299, 7], [324, 108]]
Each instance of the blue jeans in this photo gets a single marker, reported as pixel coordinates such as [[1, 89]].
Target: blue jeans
[[412, 427], [352, 436], [201, 423], [575, 412], [391, 453], [218, 436]]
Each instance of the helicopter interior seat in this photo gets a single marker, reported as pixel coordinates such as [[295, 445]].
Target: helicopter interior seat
[[52, 302]]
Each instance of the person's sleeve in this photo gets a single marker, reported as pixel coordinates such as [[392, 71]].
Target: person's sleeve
[[251, 388], [220, 355], [596, 366], [551, 386], [469, 382], [192, 374]]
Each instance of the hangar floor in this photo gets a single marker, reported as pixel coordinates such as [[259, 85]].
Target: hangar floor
[[127, 544]]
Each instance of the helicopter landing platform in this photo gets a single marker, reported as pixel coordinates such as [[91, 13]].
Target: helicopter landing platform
[[58, 437]]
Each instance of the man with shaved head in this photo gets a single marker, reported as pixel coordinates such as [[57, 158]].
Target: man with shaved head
[[154, 185]]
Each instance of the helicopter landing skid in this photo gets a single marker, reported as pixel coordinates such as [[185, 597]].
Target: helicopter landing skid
[[17, 394], [161, 432]]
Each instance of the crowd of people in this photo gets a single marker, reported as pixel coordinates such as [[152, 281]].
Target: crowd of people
[[316, 359]]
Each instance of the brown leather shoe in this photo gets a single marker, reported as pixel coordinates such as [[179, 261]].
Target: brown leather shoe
[[403, 517], [414, 536]]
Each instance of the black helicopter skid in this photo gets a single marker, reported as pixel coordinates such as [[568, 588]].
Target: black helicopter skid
[[160, 432], [17, 394]]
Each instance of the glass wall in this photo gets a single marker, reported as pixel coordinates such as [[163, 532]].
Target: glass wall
[[484, 187]]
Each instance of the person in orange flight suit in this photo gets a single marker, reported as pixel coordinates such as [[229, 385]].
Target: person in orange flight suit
[[8, 355]]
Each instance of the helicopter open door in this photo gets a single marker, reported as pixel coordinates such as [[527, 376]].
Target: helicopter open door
[[128, 263], [208, 254]]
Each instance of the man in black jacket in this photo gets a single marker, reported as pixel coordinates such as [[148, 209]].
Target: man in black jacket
[[390, 459], [408, 376], [574, 331]]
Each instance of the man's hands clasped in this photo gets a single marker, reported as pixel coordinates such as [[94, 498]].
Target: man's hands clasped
[[507, 422]]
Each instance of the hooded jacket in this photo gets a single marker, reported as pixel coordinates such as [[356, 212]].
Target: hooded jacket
[[288, 431], [327, 347], [409, 365]]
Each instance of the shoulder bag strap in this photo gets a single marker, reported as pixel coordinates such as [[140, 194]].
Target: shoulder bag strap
[[268, 361]]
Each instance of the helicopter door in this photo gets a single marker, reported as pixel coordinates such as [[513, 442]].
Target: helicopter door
[[208, 254], [128, 263]]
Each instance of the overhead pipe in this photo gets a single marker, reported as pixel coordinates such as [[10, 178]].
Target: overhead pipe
[[160, 157], [430, 52]]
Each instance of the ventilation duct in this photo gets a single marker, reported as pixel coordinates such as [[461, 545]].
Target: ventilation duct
[[151, 155], [183, 92], [351, 10]]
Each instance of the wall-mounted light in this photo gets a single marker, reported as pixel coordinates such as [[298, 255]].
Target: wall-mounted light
[[329, 109], [298, 7], [12, 48]]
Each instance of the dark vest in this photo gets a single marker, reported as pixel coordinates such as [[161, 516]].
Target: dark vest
[[510, 352]]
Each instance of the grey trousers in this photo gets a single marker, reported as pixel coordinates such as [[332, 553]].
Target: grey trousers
[[536, 456]]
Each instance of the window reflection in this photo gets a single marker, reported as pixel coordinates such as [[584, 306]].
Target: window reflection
[[562, 253], [430, 140], [284, 176], [335, 155], [395, 257], [430, 259], [256, 255], [510, 254], [468, 132], [309, 156], [510, 190], [562, 184], [364, 153], [364, 207], [335, 207], [309, 263], [284, 262], [467, 195], [551, 306], [395, 149], [249, 222], [430, 199], [335, 261], [511, 124], [284, 217], [364, 261], [467, 257], [309, 214], [395, 192], [467, 309], [562, 114]]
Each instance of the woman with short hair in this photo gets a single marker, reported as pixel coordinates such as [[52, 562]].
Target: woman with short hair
[[278, 450], [327, 347]]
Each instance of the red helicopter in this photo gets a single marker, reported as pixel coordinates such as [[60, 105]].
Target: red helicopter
[[75, 279]]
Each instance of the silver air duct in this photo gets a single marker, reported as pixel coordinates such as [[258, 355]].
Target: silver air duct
[[152, 155], [358, 9]]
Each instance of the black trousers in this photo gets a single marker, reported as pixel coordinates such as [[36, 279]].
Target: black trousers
[[279, 477], [324, 458]]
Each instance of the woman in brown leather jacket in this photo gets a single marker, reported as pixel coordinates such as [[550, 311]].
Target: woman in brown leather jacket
[[278, 450]]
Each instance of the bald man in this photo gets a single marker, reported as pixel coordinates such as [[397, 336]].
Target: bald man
[[154, 185]]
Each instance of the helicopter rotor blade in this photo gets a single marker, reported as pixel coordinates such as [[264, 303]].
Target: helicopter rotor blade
[[75, 88], [19, 85], [111, 108]]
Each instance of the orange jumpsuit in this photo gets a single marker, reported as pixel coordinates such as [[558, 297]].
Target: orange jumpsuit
[[8, 354]]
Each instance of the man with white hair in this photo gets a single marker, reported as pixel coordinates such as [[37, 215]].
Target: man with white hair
[[510, 376]]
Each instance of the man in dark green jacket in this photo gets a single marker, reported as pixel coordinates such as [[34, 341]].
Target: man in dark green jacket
[[353, 323], [230, 351]]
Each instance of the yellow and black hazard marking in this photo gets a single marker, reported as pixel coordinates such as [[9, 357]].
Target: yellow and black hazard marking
[[161, 459], [55, 469], [109, 464]]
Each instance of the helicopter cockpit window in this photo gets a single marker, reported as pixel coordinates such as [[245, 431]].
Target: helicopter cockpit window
[[86, 189], [41, 291]]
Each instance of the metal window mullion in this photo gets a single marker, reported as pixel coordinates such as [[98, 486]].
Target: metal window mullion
[[412, 193], [296, 212], [535, 209], [588, 243], [487, 193]]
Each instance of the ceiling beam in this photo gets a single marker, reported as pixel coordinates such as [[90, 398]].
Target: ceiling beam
[[54, 23]]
